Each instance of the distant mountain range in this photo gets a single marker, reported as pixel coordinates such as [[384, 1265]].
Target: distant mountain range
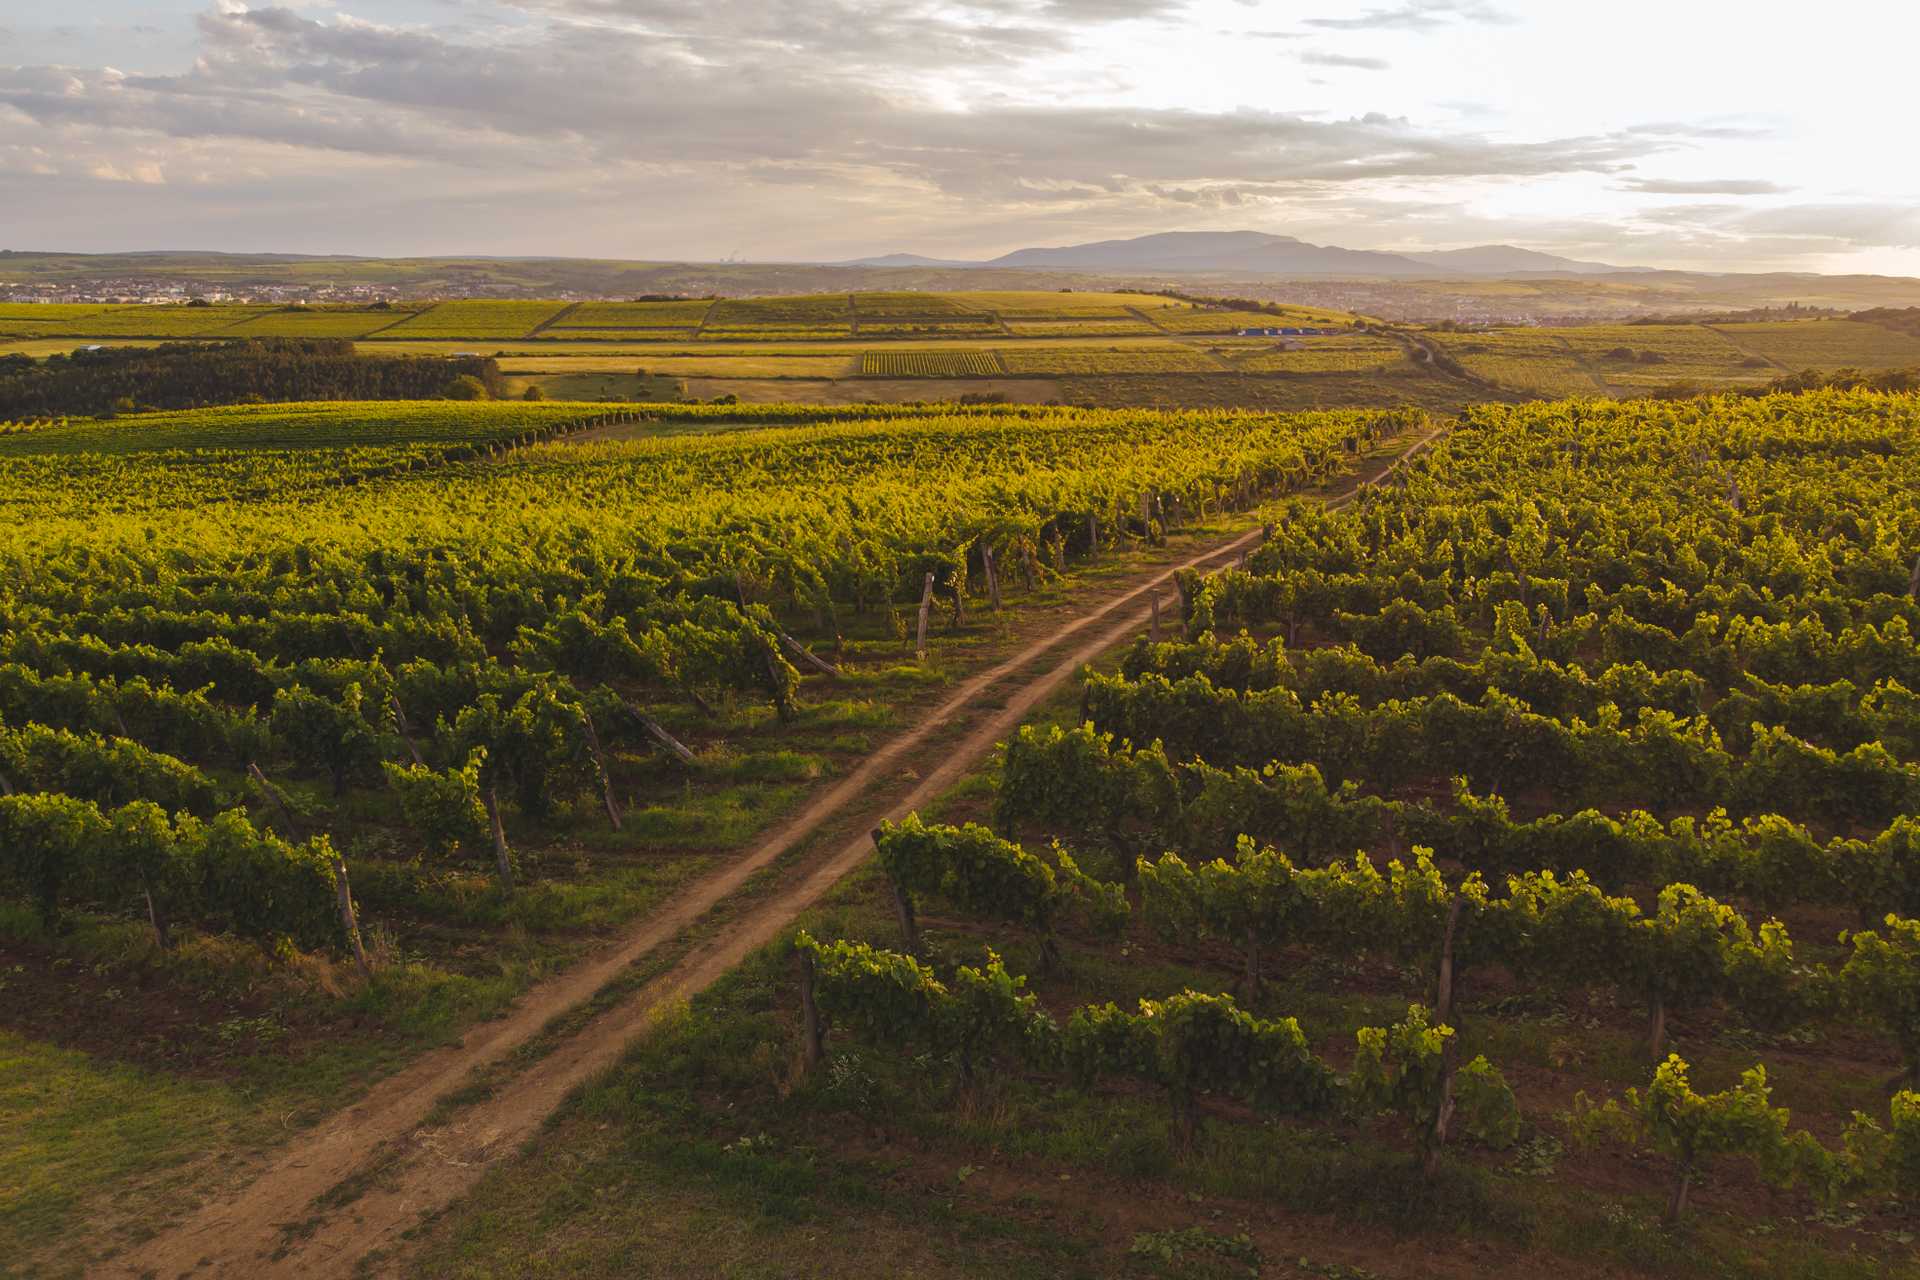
[[1260, 253]]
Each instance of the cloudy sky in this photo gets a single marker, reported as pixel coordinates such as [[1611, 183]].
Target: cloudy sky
[[1655, 132]]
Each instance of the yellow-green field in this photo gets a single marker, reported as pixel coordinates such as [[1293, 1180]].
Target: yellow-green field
[[1527, 360], [749, 365], [478, 319], [1826, 344], [1325, 355], [1104, 348], [1087, 359], [633, 315], [317, 322], [930, 364]]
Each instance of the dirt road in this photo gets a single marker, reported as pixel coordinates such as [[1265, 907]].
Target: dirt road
[[292, 1219]]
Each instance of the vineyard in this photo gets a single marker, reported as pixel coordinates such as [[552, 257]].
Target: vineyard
[[1071, 360], [633, 315], [316, 322], [1077, 328], [1827, 344], [1327, 355], [1540, 363], [342, 702], [476, 319], [1531, 844], [929, 364]]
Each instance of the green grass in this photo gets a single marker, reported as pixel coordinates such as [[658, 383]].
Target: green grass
[[72, 1125]]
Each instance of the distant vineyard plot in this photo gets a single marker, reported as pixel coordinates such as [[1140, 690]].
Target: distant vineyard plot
[[1649, 356], [1069, 360], [478, 319], [1540, 363], [316, 322], [1826, 344], [1078, 328], [929, 364], [682, 314], [1326, 355]]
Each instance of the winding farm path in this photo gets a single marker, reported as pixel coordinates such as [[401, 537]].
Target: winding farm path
[[339, 1196]]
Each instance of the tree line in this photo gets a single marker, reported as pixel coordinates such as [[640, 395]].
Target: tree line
[[243, 371]]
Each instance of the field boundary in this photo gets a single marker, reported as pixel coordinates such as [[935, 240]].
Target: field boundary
[[551, 321]]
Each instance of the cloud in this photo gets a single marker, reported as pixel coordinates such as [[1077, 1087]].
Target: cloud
[[1704, 187], [1418, 15], [1701, 132], [569, 95], [1876, 226], [1316, 58], [663, 128]]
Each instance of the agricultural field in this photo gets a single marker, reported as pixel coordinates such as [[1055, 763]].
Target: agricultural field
[[1540, 363], [316, 322], [869, 389], [1826, 344], [1198, 320], [476, 319], [162, 462], [1651, 356], [1404, 384], [163, 321], [1017, 305], [748, 362], [629, 387], [31, 319], [1079, 360], [457, 656], [931, 364], [882, 306], [685, 314], [957, 326], [775, 332], [1435, 888], [1078, 328], [833, 310], [1325, 355]]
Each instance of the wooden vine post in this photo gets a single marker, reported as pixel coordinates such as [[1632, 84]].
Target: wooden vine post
[[1450, 1050], [502, 855], [655, 730], [807, 656], [600, 767], [926, 605], [1153, 625], [902, 908], [812, 1029], [993, 578], [406, 730], [343, 891]]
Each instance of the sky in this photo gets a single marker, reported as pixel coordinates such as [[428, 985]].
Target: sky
[[1670, 133]]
